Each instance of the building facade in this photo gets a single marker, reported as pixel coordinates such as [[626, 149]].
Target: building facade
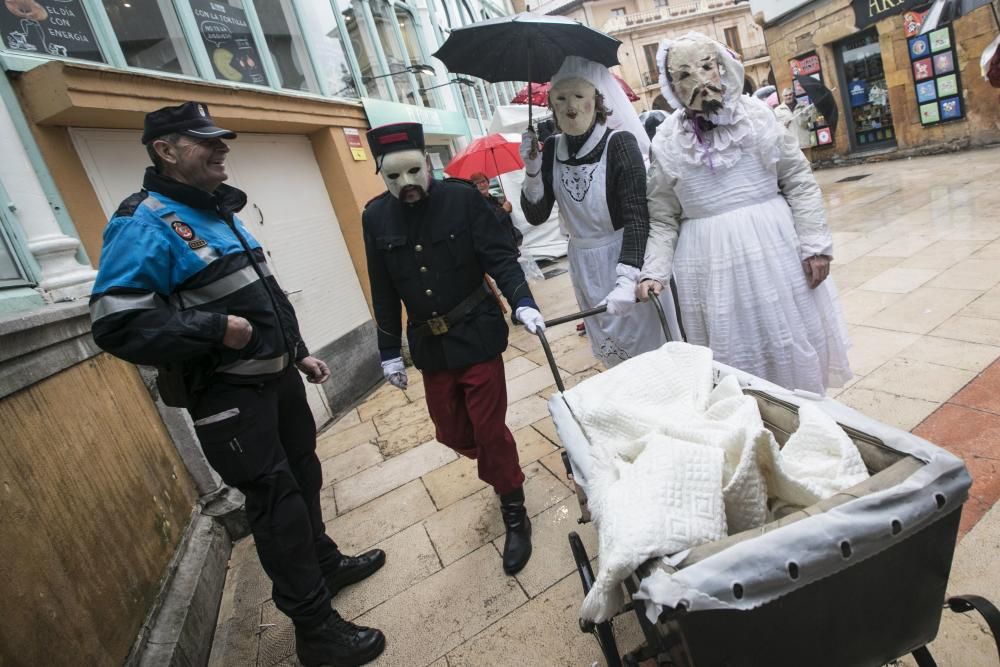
[[896, 91], [102, 478], [641, 24]]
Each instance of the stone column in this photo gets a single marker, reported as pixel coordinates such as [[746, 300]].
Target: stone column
[[62, 277]]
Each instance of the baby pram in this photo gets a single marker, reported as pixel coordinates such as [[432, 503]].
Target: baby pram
[[855, 580]]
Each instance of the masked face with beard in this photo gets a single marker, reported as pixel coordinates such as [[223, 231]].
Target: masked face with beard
[[574, 103], [406, 174], [693, 72]]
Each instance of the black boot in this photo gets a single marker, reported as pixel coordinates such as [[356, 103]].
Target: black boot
[[338, 643], [352, 569], [517, 545]]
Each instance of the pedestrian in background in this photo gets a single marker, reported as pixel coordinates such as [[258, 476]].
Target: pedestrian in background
[[501, 209], [183, 286], [795, 117], [429, 246]]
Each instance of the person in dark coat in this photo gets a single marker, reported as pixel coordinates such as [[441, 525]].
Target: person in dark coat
[[183, 286], [429, 245], [501, 210]]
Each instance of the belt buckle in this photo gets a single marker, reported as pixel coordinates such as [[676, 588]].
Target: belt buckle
[[438, 325]]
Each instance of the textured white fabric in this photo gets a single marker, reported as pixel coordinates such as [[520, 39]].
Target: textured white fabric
[[623, 115], [622, 297], [666, 448], [581, 190], [733, 227]]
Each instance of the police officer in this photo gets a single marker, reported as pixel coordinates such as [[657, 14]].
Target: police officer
[[183, 286], [429, 244]]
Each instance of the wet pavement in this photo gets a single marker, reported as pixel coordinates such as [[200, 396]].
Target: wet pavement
[[917, 246]]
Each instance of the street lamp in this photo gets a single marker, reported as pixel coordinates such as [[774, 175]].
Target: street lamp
[[419, 68], [458, 79]]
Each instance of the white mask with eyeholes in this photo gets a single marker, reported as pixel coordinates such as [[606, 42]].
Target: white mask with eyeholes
[[574, 103], [406, 175], [693, 72]]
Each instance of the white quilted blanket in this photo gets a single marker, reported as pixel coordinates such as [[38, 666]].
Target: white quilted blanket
[[677, 463]]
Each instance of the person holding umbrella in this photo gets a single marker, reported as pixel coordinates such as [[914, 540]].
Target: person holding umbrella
[[429, 245], [795, 117], [595, 169], [737, 219]]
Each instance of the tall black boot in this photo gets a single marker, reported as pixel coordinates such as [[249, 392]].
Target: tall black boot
[[338, 643], [517, 545]]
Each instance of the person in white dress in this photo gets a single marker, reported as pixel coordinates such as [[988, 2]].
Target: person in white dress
[[737, 218], [595, 169]]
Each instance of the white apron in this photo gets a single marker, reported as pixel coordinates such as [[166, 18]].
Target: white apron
[[594, 248]]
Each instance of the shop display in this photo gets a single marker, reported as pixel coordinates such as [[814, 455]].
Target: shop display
[[937, 84], [231, 47], [58, 29], [866, 90], [808, 64]]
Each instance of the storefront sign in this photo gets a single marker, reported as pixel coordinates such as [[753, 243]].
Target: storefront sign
[[54, 28], [912, 21], [354, 143], [435, 121], [867, 12], [938, 89], [808, 64], [226, 34]]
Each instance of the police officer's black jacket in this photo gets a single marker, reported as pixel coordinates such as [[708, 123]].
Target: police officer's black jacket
[[172, 268], [431, 256]]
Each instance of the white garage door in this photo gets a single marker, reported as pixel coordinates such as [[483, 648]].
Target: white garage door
[[288, 211]]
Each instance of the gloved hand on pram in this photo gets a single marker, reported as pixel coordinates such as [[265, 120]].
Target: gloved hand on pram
[[395, 372], [530, 318], [622, 297]]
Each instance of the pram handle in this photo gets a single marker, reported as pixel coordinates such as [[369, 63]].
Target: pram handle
[[587, 313]]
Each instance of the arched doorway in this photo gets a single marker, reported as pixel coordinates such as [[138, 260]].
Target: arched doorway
[[661, 104], [748, 86]]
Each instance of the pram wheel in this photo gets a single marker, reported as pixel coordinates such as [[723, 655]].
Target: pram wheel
[[604, 632]]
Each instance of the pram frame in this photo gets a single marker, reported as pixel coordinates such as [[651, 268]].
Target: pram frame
[[669, 641]]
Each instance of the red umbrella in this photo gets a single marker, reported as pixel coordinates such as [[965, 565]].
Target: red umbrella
[[540, 93], [492, 155]]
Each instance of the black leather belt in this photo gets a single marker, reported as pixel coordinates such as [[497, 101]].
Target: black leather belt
[[438, 326]]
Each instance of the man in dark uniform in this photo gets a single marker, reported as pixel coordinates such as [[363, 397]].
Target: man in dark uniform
[[429, 244], [183, 286]]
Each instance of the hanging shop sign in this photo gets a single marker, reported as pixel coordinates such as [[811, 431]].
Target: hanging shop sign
[[935, 76], [226, 34], [55, 28], [867, 12]]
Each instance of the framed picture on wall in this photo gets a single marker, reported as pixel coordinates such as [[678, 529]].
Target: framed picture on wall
[[922, 69], [936, 82], [926, 92], [946, 86], [940, 39], [944, 63], [919, 47], [929, 113], [951, 108]]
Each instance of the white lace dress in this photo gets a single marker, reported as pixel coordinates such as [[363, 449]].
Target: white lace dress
[[733, 223]]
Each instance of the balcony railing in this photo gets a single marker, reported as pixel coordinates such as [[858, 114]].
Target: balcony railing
[[674, 10], [753, 52]]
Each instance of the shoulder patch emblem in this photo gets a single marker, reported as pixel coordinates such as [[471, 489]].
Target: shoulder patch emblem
[[183, 230], [197, 243]]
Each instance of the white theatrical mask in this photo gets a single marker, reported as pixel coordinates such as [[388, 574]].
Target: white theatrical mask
[[406, 175], [693, 71], [573, 101]]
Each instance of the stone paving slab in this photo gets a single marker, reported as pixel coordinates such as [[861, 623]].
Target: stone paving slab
[[388, 475], [362, 528]]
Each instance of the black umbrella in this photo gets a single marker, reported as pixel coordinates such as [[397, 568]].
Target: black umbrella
[[523, 47], [821, 98]]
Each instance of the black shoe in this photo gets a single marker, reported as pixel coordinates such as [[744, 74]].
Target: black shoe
[[338, 643], [517, 545], [352, 569]]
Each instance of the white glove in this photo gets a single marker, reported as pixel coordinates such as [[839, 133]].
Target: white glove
[[622, 297], [529, 152], [530, 318], [532, 187], [395, 372]]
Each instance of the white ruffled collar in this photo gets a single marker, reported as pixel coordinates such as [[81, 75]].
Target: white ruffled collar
[[723, 145]]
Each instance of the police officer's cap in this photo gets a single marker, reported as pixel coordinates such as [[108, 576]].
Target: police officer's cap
[[394, 137], [190, 118]]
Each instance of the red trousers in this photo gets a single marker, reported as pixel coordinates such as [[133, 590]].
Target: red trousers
[[468, 407]]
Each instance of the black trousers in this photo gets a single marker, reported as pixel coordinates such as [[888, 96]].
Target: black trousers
[[261, 439]]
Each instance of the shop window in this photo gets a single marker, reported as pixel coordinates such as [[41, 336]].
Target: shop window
[[284, 40], [468, 100], [865, 92], [394, 56], [11, 272], [652, 73], [231, 47], [60, 29], [618, 11], [414, 53], [150, 35], [329, 49], [365, 49]]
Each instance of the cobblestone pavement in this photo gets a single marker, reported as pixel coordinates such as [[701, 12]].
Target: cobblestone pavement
[[917, 245]]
